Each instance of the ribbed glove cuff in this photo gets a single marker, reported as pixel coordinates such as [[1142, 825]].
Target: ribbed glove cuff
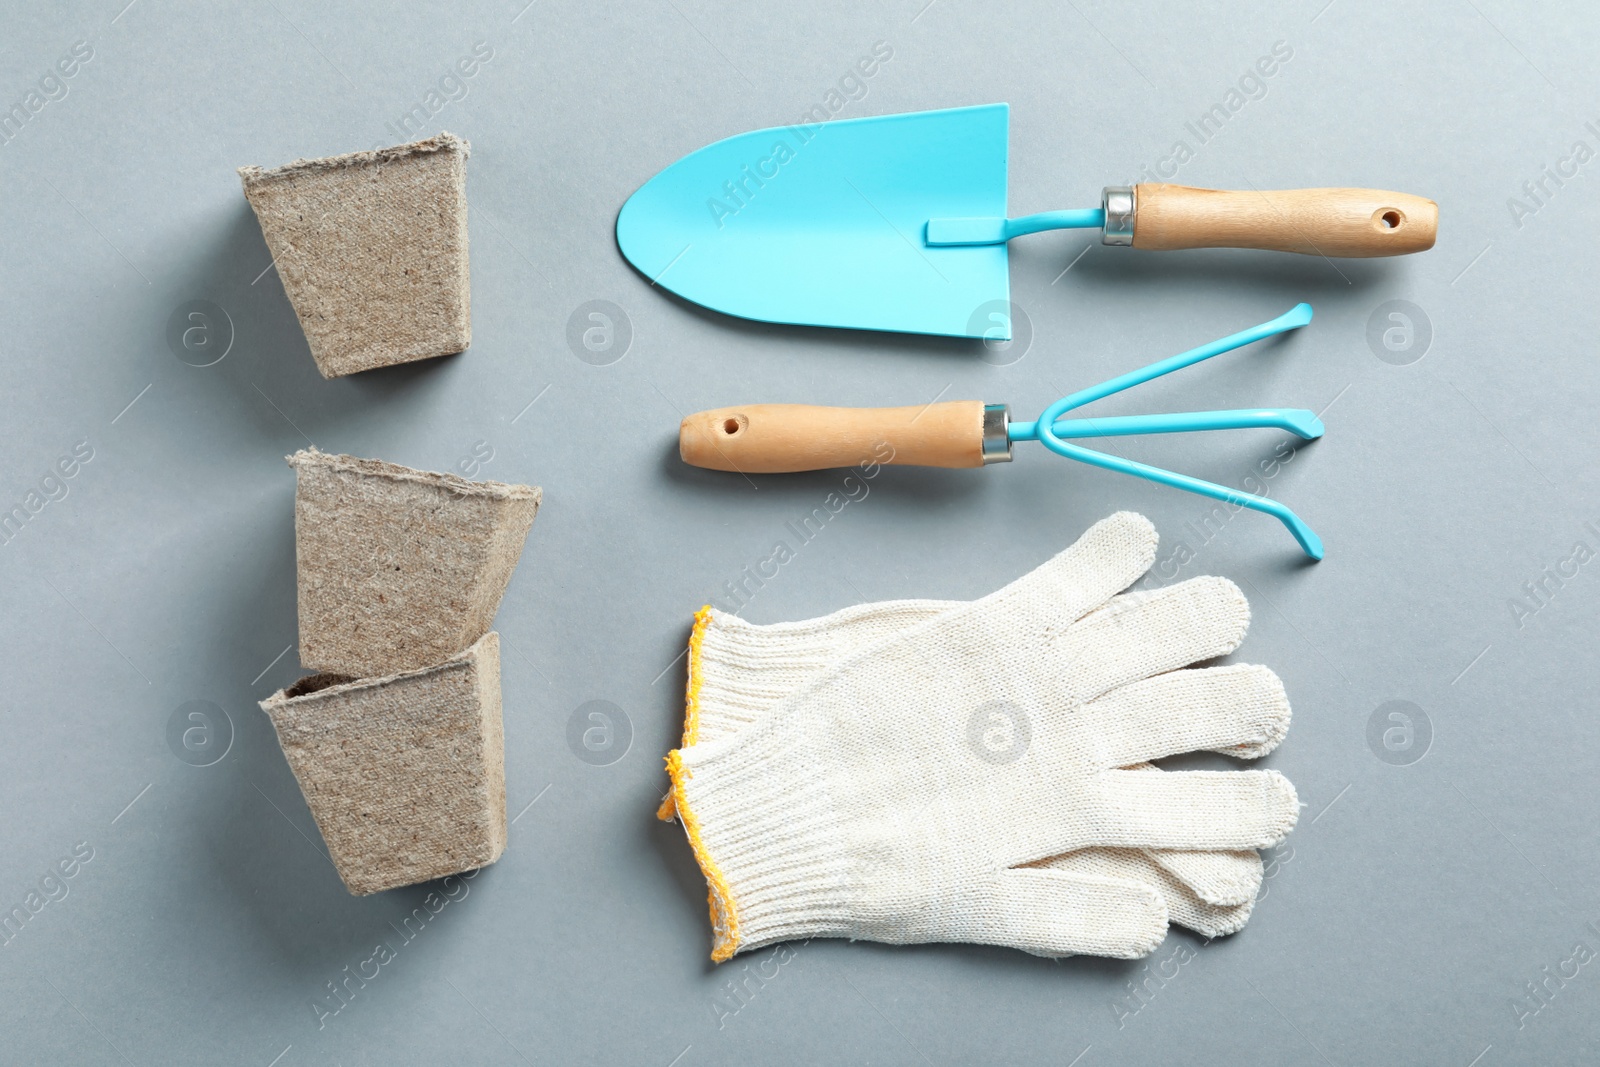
[[743, 670], [765, 832]]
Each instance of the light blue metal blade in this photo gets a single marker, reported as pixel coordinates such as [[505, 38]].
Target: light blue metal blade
[[824, 224]]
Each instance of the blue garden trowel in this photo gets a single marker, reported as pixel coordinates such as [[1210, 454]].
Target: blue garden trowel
[[899, 223]]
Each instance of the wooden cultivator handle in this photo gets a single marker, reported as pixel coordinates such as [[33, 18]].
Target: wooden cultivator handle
[[1325, 222], [778, 438]]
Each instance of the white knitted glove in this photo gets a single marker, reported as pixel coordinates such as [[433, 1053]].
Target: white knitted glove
[[866, 806], [739, 670]]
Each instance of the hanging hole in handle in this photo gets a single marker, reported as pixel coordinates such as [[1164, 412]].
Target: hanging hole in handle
[[732, 425], [1391, 219]]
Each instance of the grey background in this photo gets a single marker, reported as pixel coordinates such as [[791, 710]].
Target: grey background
[[1402, 918]]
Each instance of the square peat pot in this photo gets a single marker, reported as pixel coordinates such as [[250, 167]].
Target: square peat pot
[[372, 250], [399, 568], [405, 775]]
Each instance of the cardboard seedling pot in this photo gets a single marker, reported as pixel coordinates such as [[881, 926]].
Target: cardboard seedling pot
[[372, 250], [399, 568], [405, 775]]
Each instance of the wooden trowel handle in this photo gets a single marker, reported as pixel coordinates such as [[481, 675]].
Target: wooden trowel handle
[[1326, 222], [777, 438]]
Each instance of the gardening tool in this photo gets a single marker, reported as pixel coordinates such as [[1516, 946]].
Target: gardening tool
[[776, 438], [899, 223]]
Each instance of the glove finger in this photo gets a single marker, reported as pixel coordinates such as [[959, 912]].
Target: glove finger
[[1220, 879], [1239, 710], [1063, 913], [1215, 810], [1223, 878], [1187, 910], [1184, 907], [1140, 635], [1110, 556]]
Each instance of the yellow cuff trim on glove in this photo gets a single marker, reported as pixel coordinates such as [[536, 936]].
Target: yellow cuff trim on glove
[[724, 919], [691, 701]]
